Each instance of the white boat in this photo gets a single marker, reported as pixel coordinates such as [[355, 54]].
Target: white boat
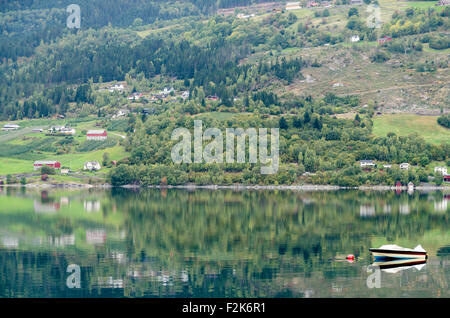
[[395, 251]]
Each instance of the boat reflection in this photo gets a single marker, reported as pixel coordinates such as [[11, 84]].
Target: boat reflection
[[390, 265]]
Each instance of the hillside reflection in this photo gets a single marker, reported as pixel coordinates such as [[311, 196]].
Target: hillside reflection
[[225, 243]]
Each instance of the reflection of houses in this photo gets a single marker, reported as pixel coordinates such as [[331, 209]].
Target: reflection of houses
[[10, 242], [404, 209], [91, 206], [387, 209], [410, 187], [366, 210], [91, 165], [96, 237], [441, 206], [61, 241], [49, 207], [109, 282]]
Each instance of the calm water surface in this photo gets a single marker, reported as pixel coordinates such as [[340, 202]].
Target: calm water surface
[[206, 243]]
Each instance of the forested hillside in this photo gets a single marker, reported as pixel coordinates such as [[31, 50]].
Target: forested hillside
[[319, 74]]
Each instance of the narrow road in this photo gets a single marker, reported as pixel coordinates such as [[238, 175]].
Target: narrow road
[[116, 134]]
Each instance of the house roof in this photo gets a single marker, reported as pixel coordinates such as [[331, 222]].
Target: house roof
[[96, 132], [45, 162]]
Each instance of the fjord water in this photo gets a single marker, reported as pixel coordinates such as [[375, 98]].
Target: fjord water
[[218, 243]]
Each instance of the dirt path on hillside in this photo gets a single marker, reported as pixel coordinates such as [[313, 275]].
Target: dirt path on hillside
[[15, 133], [389, 89]]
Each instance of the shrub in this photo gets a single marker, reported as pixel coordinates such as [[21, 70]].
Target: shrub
[[444, 120], [47, 170], [439, 43], [380, 57]]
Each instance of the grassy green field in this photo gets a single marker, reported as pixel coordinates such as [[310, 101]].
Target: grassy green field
[[21, 147], [405, 124]]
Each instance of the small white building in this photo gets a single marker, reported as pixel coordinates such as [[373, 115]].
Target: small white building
[[8, 127], [116, 87], [387, 166], [62, 130], [91, 165], [404, 166], [167, 90], [185, 95], [367, 163], [121, 113], [293, 6], [354, 38], [442, 170]]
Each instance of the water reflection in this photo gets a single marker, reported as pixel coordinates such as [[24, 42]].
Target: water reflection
[[206, 243]]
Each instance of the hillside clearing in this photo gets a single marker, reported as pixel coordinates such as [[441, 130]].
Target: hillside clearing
[[405, 124]]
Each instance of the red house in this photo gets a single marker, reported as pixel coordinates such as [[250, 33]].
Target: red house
[[384, 39], [96, 135], [447, 178], [53, 164]]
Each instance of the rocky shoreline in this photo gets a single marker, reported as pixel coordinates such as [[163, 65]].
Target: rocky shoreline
[[306, 187]]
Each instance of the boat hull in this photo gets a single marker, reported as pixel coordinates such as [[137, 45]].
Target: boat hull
[[397, 254]]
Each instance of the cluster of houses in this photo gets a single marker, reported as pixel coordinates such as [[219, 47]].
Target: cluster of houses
[[371, 164], [367, 164], [100, 134], [59, 130], [88, 165]]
